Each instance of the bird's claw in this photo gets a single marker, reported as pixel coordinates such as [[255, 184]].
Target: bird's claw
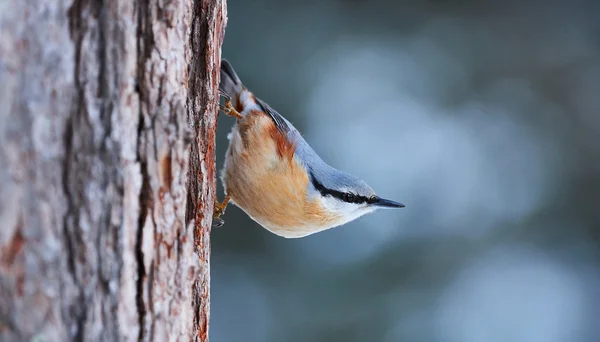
[[224, 94], [217, 222]]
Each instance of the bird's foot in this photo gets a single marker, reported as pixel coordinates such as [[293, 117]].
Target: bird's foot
[[218, 211], [227, 107]]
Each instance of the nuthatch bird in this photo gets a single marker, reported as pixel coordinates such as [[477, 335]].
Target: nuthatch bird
[[274, 176]]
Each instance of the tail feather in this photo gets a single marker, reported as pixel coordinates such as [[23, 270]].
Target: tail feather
[[230, 82]]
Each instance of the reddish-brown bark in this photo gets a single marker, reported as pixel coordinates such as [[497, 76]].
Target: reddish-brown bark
[[107, 123]]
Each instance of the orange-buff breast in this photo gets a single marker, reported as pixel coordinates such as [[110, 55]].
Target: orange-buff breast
[[263, 178]]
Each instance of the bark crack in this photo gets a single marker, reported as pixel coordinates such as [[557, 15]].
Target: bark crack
[[145, 191], [70, 237], [144, 43], [70, 219]]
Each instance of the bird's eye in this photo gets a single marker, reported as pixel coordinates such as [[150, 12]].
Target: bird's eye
[[349, 197], [372, 199]]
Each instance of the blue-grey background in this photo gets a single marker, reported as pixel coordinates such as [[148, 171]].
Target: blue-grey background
[[484, 119]]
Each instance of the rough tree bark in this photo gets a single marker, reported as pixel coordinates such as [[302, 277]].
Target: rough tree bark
[[107, 175]]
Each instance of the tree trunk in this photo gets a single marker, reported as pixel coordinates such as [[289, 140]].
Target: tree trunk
[[107, 174]]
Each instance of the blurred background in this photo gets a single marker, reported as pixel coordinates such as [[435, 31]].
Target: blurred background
[[484, 119]]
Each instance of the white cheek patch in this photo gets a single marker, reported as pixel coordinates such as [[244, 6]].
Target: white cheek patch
[[347, 211]]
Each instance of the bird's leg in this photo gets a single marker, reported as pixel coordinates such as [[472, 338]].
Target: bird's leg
[[220, 210], [227, 107]]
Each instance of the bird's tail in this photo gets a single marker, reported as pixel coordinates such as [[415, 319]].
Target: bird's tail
[[230, 82]]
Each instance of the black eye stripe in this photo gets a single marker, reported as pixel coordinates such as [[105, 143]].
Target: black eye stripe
[[344, 196]]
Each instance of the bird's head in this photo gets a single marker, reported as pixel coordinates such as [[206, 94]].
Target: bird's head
[[347, 196]]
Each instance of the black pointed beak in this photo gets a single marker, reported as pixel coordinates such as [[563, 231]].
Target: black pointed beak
[[386, 203]]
